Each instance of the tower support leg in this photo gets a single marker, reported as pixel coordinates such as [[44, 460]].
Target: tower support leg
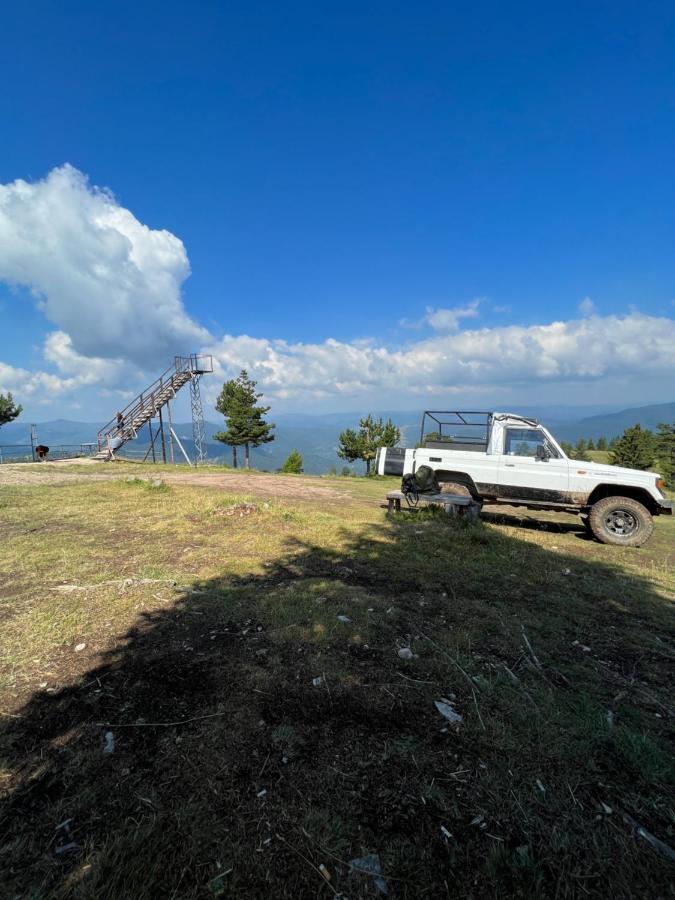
[[198, 431], [161, 431]]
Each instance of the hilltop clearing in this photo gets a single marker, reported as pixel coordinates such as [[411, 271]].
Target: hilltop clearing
[[217, 684]]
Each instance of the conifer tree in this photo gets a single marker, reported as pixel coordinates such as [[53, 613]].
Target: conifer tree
[[665, 450], [581, 450], [363, 444], [8, 409], [602, 443], [293, 464], [246, 425], [635, 449]]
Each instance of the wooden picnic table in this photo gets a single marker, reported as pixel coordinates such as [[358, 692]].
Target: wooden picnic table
[[454, 504]]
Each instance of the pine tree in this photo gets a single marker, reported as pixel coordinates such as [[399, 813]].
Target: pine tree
[[364, 443], [245, 423], [602, 443], [568, 449], [665, 451], [293, 463], [590, 445], [635, 449], [8, 409], [581, 450]]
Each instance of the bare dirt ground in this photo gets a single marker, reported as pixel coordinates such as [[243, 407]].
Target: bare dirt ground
[[259, 485], [264, 485], [47, 472]]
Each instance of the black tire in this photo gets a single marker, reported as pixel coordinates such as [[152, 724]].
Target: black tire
[[621, 521]]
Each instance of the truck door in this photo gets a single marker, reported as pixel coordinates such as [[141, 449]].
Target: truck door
[[531, 468]]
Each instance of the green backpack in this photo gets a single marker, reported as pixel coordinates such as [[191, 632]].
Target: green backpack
[[424, 481]]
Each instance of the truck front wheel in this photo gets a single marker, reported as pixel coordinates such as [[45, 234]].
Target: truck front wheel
[[622, 521]]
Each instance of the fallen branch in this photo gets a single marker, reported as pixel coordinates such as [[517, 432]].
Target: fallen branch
[[470, 680], [302, 856], [158, 724], [416, 680]]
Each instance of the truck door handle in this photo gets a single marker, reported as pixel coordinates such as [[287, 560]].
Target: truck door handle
[[510, 465]]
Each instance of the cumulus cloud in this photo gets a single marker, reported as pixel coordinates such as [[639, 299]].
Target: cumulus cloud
[[42, 387], [449, 319], [111, 287], [582, 350], [106, 280]]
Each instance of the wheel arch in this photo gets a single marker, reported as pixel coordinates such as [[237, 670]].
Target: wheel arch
[[463, 478], [601, 491]]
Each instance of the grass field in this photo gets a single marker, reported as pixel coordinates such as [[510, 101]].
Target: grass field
[[178, 688]]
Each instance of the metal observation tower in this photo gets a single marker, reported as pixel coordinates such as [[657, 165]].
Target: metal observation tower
[[155, 402]]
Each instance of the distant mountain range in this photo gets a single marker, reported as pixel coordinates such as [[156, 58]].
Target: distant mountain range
[[316, 436]]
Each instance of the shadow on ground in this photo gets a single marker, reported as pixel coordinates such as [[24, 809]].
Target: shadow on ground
[[232, 774]]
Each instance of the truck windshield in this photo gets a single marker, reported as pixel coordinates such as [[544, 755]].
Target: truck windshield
[[524, 442]]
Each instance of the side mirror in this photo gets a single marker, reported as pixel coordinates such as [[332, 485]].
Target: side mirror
[[542, 453]]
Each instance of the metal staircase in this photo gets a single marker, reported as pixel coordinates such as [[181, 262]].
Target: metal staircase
[[150, 403]]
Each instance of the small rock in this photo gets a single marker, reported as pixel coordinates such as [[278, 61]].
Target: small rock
[[108, 742], [80, 647], [567, 571], [540, 786], [344, 619], [446, 710], [405, 653], [262, 793], [318, 681], [606, 809]]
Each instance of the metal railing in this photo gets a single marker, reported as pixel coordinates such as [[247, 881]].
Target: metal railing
[[20, 453]]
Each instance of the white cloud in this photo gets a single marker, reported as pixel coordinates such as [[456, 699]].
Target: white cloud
[[59, 350], [597, 349], [112, 288], [42, 387], [449, 319], [106, 280], [587, 307]]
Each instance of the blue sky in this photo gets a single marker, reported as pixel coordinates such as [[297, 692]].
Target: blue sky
[[334, 173]]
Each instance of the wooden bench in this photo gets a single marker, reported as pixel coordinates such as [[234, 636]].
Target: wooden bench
[[454, 504]]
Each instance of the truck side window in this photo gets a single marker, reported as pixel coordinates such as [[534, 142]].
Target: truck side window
[[524, 442]]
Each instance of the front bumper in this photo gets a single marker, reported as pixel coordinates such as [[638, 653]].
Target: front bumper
[[666, 507]]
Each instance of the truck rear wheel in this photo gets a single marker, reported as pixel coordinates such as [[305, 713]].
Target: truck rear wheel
[[622, 521]]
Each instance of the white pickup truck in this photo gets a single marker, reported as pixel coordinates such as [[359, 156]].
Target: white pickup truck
[[506, 458]]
